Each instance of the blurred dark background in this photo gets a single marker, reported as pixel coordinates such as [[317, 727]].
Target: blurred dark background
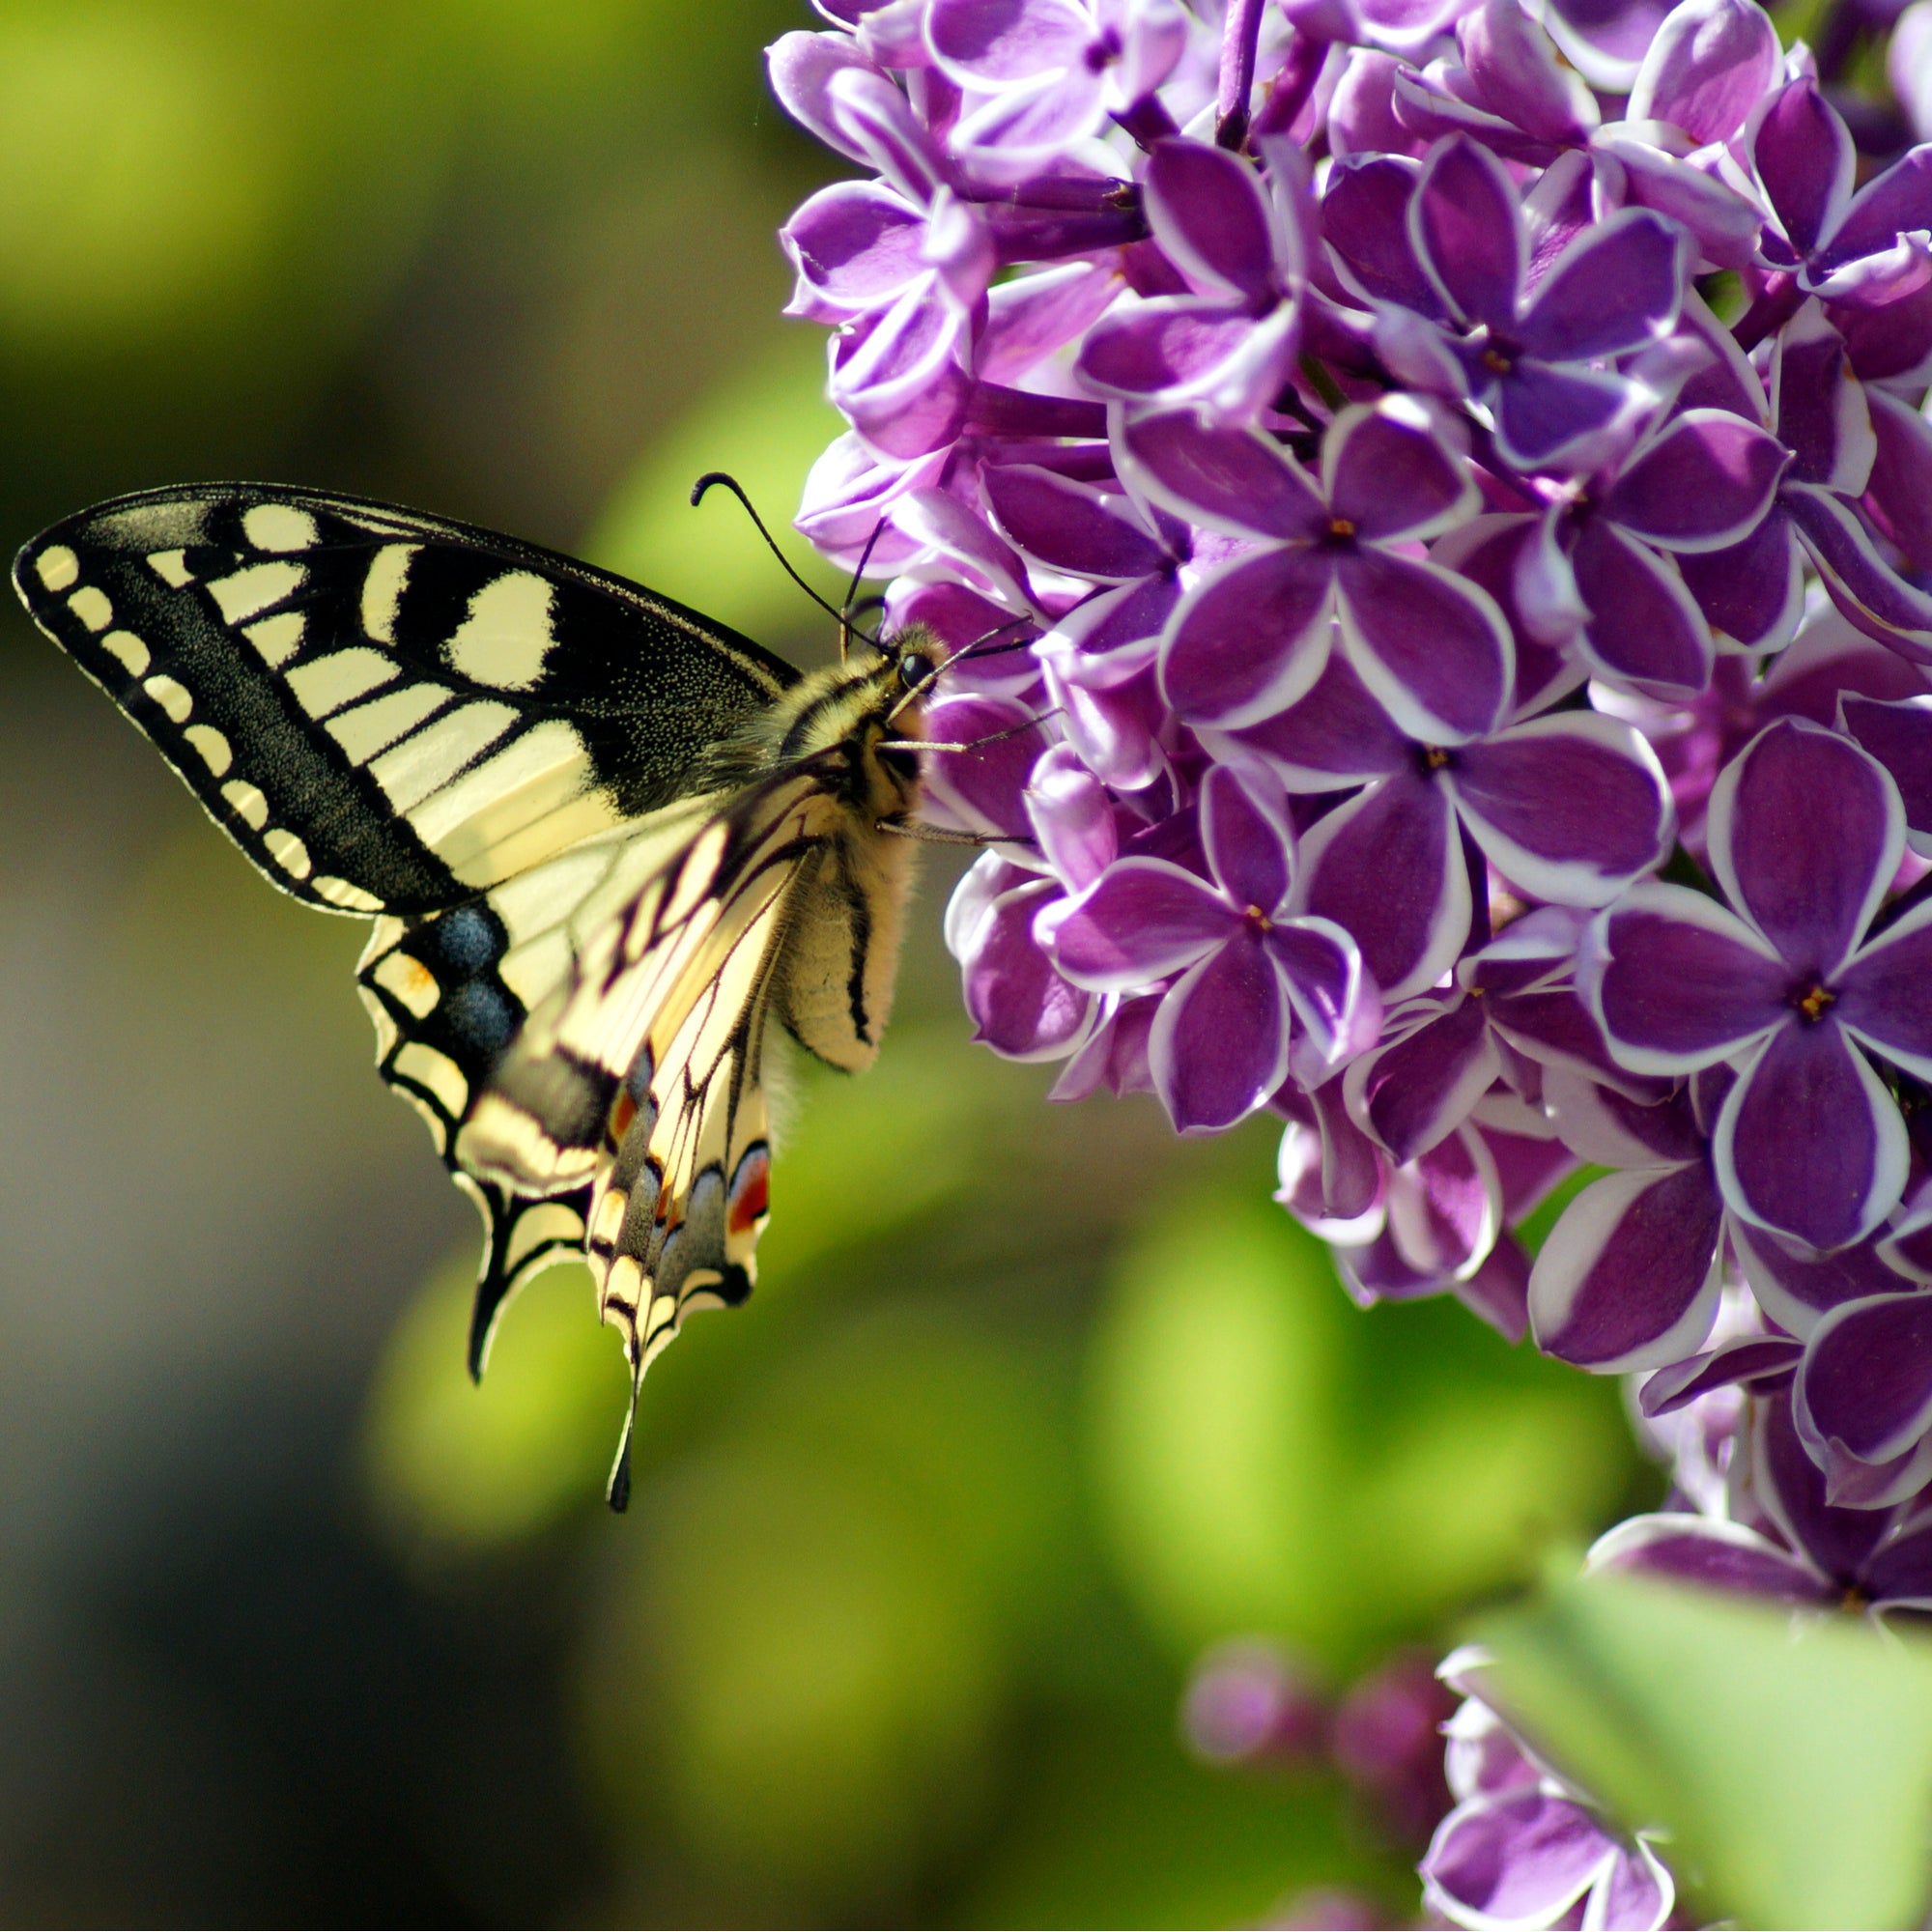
[[1033, 1404]]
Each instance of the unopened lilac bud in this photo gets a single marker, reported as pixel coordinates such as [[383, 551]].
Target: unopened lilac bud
[[1250, 1703]]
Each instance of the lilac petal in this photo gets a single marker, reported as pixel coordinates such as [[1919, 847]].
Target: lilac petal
[[1678, 982], [985, 788], [1020, 1006], [1208, 213], [1338, 1005], [1069, 525], [1900, 489], [1414, 1092], [1431, 646], [1498, 1292], [1823, 415], [1806, 833], [1615, 288], [1112, 636], [1445, 1209], [1113, 1056], [1810, 1143], [1723, 223], [1489, 551], [1335, 735], [1751, 1361], [1869, 593], [1605, 43], [1167, 350], [1522, 1860], [1387, 868], [1139, 920], [1546, 414], [1753, 593], [1711, 63], [1570, 807], [1908, 1247], [1789, 1483], [1645, 631], [1885, 996], [1899, 736], [802, 67], [1219, 1044], [1331, 1175], [899, 378], [1704, 484], [1229, 479], [1710, 1552], [1245, 833], [1892, 343], [1031, 316], [1465, 230], [1796, 1288], [1115, 729], [1509, 64], [1804, 157], [857, 244], [1629, 1277], [1364, 224], [1390, 476], [1899, 1571], [1610, 1129], [1249, 638], [1072, 818], [995, 42], [1895, 203], [1554, 1031]]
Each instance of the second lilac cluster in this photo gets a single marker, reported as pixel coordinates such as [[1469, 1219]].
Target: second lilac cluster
[[1431, 502]]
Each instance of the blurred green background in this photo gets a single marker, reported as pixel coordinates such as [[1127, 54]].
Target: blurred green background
[[1033, 1404]]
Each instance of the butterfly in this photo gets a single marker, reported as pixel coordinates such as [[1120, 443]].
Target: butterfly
[[604, 842]]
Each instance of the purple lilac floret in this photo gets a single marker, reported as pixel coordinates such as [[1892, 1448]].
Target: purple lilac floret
[[1430, 505]]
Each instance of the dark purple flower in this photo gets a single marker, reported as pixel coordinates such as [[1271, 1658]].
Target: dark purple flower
[[1254, 633], [1229, 342], [1805, 834], [1569, 807], [1248, 975], [1523, 338]]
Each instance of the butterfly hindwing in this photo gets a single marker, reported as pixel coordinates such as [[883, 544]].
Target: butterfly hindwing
[[388, 712]]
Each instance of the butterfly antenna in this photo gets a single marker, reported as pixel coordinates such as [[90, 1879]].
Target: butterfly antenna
[[851, 608], [737, 489]]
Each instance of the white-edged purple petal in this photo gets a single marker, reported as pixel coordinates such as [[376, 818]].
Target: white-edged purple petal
[[1466, 232], [802, 67], [1677, 981], [1610, 1129], [1820, 406], [1531, 1858], [1804, 157], [1711, 63], [1751, 593], [1616, 287], [1798, 1287], [1809, 1142], [992, 44], [1139, 920], [1390, 476], [1445, 1210], [1213, 221], [1432, 647], [1710, 1552], [857, 245], [1885, 995], [1549, 414], [1386, 866], [1246, 835], [1629, 1277], [1869, 592], [1071, 526], [1806, 831], [1019, 1005], [1219, 1044], [1794, 1482], [1072, 818], [1186, 349], [1645, 632], [1334, 736], [1745, 1361], [1899, 492], [1249, 638], [1227, 479], [1703, 485], [1331, 995], [1571, 807], [1331, 1175], [1420, 1087]]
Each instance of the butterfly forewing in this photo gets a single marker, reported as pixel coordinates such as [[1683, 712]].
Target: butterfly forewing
[[388, 712]]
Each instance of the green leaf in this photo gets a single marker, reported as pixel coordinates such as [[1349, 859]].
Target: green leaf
[[1789, 1758]]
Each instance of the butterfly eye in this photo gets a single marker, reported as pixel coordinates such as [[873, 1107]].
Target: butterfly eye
[[914, 668]]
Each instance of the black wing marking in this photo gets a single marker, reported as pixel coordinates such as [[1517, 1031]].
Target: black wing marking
[[388, 711]]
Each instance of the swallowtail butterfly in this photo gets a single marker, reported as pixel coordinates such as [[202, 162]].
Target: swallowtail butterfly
[[604, 842]]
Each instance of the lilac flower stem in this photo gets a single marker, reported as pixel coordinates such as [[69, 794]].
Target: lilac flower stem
[[1293, 85], [1777, 302], [1239, 40], [1147, 120], [999, 411]]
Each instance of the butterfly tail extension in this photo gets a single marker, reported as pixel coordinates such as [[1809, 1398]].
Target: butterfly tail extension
[[521, 1238]]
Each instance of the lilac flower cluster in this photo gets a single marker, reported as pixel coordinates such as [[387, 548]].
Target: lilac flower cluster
[[1430, 505]]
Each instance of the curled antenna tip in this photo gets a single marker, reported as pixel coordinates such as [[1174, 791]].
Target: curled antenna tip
[[708, 479]]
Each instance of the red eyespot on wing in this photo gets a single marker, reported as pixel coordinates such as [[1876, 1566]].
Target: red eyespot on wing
[[750, 1198]]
